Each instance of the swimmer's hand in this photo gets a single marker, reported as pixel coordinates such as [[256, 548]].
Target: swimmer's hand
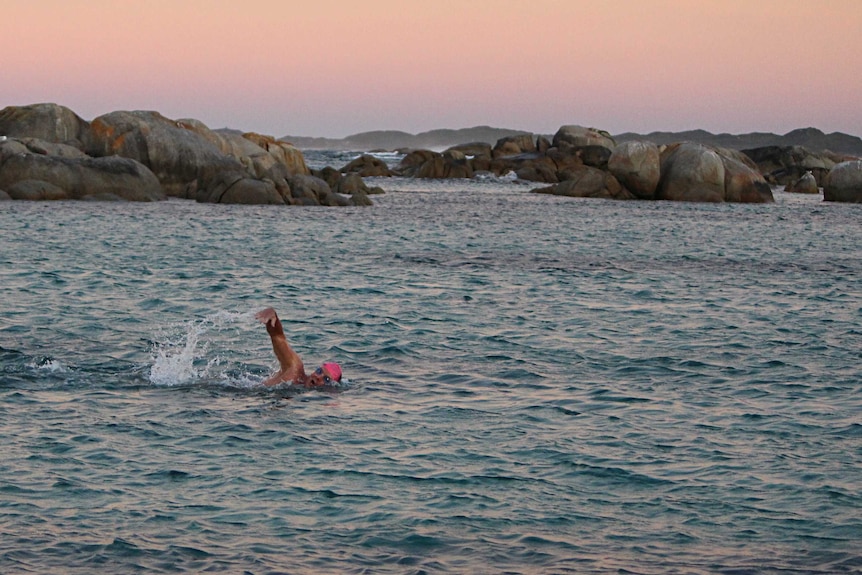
[[266, 316], [270, 319]]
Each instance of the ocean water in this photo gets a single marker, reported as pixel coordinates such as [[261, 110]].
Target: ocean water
[[535, 385]]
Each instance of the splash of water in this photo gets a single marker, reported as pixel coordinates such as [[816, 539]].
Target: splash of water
[[182, 357], [48, 364]]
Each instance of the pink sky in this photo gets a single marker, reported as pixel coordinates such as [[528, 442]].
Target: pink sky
[[333, 68]]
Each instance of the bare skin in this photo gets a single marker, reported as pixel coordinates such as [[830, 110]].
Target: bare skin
[[291, 369]]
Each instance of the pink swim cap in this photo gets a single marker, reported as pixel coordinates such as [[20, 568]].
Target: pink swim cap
[[334, 370]]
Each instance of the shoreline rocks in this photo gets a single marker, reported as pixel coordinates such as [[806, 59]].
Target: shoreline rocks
[[633, 170], [28, 175], [589, 182], [49, 152], [52, 153]]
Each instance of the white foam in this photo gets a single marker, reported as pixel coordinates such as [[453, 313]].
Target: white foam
[[183, 358], [493, 178], [51, 365]]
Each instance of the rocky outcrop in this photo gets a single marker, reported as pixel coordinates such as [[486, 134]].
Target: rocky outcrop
[[367, 166], [277, 153], [429, 164], [697, 173], [513, 145], [473, 149], [531, 167], [578, 137], [37, 146], [807, 184], [637, 166], [26, 175], [180, 158], [742, 183], [843, 184], [782, 165], [353, 184], [683, 172], [589, 182], [313, 191], [238, 188], [187, 159], [691, 172], [47, 122]]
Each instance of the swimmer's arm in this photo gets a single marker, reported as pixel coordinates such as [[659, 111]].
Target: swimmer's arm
[[288, 359]]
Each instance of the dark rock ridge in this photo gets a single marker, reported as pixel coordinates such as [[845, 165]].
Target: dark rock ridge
[[396, 140], [810, 138], [782, 165], [49, 152]]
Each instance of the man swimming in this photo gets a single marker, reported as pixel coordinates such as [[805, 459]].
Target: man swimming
[[292, 370]]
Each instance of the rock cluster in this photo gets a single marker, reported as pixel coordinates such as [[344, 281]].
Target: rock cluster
[[783, 165], [49, 152], [584, 162]]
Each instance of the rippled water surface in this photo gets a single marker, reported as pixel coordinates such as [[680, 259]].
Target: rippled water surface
[[536, 385]]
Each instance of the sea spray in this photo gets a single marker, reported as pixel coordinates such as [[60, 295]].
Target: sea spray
[[48, 364], [183, 354]]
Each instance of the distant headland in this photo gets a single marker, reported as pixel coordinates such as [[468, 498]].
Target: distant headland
[[810, 138]]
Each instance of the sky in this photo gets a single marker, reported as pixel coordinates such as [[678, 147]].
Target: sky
[[334, 68]]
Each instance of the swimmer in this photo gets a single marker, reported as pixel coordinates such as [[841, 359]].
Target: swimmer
[[292, 370]]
